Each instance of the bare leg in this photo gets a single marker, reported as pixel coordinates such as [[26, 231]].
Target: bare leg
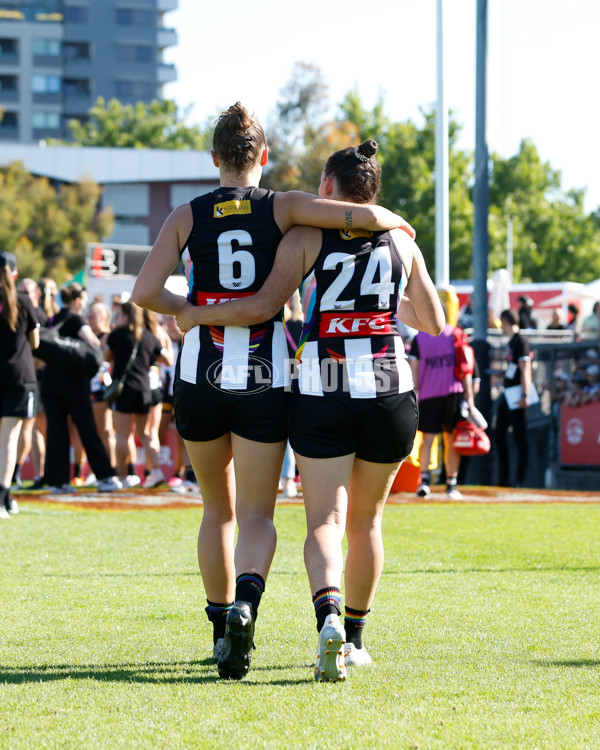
[[25, 440], [451, 457], [9, 439], [213, 466], [325, 488], [123, 426], [39, 444], [370, 484], [104, 424], [425, 451], [257, 470], [150, 429], [148, 439]]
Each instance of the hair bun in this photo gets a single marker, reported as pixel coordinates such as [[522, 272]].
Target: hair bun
[[239, 118], [368, 148]]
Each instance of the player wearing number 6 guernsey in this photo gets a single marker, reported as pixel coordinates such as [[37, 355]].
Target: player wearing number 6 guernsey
[[353, 410], [229, 396], [231, 247]]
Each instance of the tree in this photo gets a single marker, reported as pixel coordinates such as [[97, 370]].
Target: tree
[[299, 139], [407, 156], [553, 237], [158, 124], [47, 228]]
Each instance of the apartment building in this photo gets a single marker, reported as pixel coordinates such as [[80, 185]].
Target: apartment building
[[58, 56]]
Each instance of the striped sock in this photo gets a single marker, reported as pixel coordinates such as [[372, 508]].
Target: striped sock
[[217, 614], [327, 601], [249, 587], [354, 622]]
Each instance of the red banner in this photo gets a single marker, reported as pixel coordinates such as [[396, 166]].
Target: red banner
[[580, 435]]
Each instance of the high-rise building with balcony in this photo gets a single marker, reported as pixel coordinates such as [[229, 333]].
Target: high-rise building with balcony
[[58, 56]]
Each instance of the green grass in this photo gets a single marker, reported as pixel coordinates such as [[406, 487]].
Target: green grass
[[485, 633]]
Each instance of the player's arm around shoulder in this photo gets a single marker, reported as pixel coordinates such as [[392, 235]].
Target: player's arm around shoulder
[[299, 245], [421, 308], [296, 207]]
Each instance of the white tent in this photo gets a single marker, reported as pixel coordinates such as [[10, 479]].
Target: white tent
[[586, 291]]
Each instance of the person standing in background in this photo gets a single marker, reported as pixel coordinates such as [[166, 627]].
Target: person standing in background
[[574, 320], [99, 317], [19, 334], [590, 328], [440, 392], [131, 341], [556, 324], [66, 393], [31, 440], [526, 318], [518, 373]]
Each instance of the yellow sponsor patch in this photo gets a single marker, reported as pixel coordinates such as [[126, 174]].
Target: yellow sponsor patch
[[350, 234], [232, 207]]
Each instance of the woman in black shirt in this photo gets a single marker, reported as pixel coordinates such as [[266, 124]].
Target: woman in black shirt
[[133, 405], [18, 335], [64, 393]]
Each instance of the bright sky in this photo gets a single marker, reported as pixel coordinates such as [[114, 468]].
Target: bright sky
[[543, 64]]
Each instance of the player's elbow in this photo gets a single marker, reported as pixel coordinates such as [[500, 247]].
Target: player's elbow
[[438, 322], [140, 295], [437, 328]]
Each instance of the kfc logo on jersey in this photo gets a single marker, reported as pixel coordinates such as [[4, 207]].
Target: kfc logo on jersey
[[355, 324], [216, 298], [229, 208]]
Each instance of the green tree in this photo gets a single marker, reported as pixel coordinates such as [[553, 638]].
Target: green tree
[[300, 139], [553, 238], [48, 229], [158, 124], [407, 156]]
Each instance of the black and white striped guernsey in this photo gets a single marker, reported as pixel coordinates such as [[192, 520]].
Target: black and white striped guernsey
[[350, 346], [232, 247]]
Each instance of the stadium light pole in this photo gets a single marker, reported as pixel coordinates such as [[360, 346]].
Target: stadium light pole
[[481, 190], [442, 232], [481, 199]]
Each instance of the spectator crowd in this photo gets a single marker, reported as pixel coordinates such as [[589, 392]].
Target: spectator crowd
[[74, 437]]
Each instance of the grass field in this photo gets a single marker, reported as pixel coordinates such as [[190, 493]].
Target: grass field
[[485, 633]]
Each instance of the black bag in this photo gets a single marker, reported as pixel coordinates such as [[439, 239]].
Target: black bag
[[72, 355], [115, 389]]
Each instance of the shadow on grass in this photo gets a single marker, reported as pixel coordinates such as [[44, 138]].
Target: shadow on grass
[[567, 662], [150, 673]]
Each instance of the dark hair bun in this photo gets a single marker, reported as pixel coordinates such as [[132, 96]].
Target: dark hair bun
[[368, 148], [239, 119]]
